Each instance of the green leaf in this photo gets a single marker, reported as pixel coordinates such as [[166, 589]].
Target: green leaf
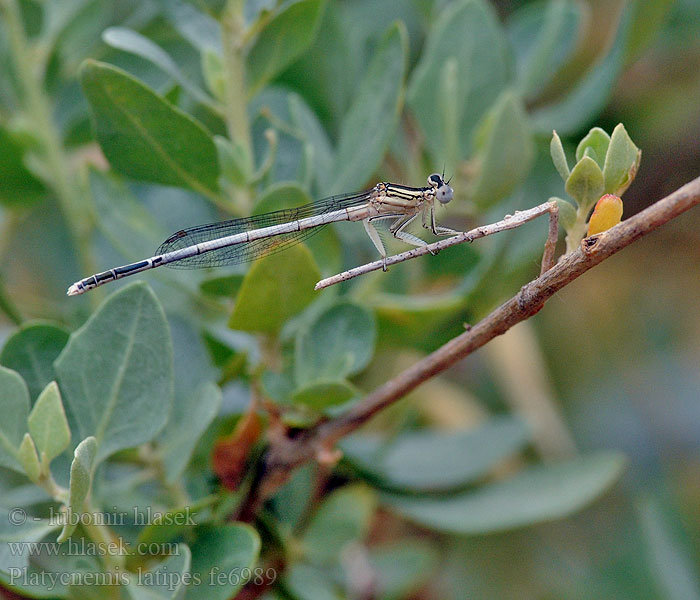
[[144, 136], [23, 530], [14, 407], [289, 275], [343, 517], [81, 470], [543, 38], [371, 120], [190, 416], [222, 556], [597, 141], [31, 351], [116, 373], [18, 186], [621, 161], [670, 562], [556, 150], [403, 567], [48, 424], [29, 459], [591, 92], [319, 396], [131, 41], [198, 28], [283, 39], [338, 343], [467, 31], [166, 580], [567, 212], [504, 151], [585, 184], [425, 461], [281, 196], [538, 494], [309, 583]]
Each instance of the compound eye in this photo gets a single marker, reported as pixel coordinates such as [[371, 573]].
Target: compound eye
[[444, 193], [435, 180]]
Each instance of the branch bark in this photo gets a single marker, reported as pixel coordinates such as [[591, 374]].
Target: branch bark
[[286, 453]]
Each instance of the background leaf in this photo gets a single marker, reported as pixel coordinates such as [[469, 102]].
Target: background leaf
[[144, 136], [14, 400], [287, 35], [375, 109], [116, 373], [338, 343], [31, 351], [291, 275], [48, 425], [534, 495]]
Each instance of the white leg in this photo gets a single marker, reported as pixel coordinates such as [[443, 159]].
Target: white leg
[[376, 240], [437, 229]]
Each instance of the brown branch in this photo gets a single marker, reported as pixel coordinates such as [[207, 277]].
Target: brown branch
[[286, 453]]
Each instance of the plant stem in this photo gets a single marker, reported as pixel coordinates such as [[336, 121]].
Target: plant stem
[[38, 108], [578, 230], [235, 93]]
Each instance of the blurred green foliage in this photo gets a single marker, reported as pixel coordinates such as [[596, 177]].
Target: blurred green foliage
[[122, 122]]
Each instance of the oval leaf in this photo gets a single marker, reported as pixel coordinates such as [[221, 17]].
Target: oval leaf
[[221, 557], [165, 581], [14, 406], [504, 151], [144, 136], [274, 289], [116, 373], [585, 184], [31, 351], [339, 343], [621, 161], [48, 425], [439, 460], [598, 141], [538, 494], [323, 395], [284, 38]]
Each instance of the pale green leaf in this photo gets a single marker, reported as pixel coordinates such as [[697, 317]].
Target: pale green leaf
[[438, 460], [504, 151], [190, 416], [14, 407], [585, 184], [116, 373], [538, 494], [29, 459], [556, 150], [48, 424], [621, 161], [81, 471], [598, 141], [283, 39], [370, 122], [31, 351], [320, 395], [338, 343]]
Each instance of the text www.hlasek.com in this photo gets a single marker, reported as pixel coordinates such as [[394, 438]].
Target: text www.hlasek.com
[[82, 547]]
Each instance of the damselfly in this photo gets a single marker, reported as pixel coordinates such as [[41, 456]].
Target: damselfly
[[241, 240]]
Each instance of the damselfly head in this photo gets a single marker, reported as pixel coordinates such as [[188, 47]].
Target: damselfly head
[[443, 192]]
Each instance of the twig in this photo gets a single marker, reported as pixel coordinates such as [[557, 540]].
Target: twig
[[509, 222], [286, 453]]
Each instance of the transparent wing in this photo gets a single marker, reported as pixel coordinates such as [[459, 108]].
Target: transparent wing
[[251, 250]]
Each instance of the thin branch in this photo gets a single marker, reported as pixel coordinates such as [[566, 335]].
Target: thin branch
[[286, 453], [509, 222]]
